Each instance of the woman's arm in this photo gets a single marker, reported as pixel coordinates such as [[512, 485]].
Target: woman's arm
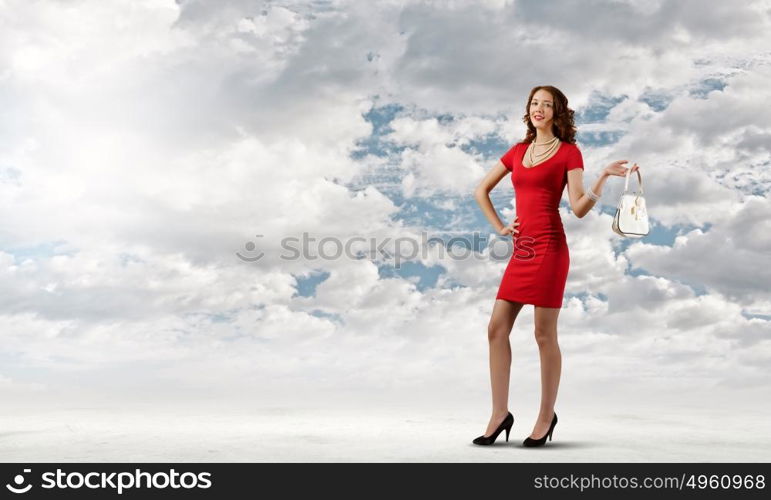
[[580, 202], [482, 195]]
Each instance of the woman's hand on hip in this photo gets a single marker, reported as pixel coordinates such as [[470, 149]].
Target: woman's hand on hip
[[510, 229]]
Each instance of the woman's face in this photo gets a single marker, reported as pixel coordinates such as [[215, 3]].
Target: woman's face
[[542, 110]]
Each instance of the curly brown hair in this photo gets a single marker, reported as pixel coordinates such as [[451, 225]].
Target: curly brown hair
[[562, 126]]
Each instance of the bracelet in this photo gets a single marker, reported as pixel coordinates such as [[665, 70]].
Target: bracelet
[[591, 194]]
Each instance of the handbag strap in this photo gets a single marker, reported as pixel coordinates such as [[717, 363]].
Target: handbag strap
[[639, 180]]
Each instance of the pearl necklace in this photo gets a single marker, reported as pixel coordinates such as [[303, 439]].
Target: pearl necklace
[[553, 143]]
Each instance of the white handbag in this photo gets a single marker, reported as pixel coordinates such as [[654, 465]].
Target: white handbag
[[631, 218]]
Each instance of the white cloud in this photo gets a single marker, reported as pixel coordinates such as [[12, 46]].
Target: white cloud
[[143, 144], [731, 258]]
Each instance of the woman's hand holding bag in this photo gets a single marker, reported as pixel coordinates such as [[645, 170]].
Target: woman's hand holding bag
[[631, 217]]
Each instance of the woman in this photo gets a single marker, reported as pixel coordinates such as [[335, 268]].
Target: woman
[[541, 165]]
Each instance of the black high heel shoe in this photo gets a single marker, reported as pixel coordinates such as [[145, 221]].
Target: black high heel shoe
[[541, 441], [506, 424]]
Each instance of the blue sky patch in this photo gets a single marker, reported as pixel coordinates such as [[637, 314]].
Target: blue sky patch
[[306, 285]]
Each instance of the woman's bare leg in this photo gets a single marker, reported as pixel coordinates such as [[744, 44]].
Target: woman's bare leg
[[551, 366], [498, 330]]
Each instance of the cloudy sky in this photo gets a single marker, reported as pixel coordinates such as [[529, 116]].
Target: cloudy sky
[[151, 150]]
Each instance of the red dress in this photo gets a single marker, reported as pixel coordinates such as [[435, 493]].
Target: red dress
[[540, 260]]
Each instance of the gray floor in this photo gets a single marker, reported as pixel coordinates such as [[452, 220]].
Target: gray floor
[[282, 434]]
